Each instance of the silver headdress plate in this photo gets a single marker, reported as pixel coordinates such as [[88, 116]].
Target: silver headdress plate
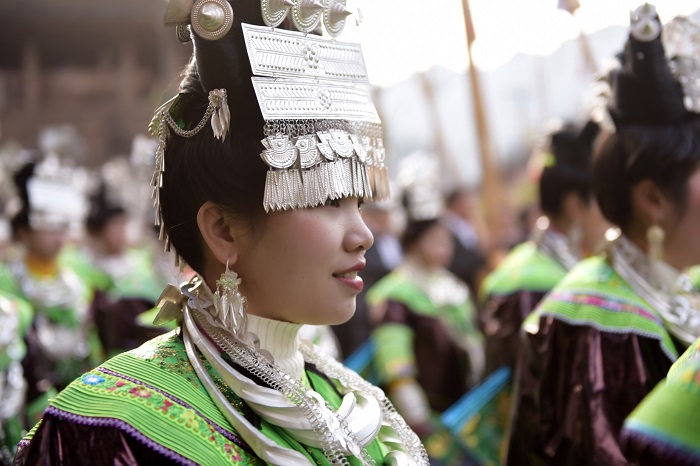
[[323, 137]]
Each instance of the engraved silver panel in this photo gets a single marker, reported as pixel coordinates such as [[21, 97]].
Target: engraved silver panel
[[300, 99], [280, 53]]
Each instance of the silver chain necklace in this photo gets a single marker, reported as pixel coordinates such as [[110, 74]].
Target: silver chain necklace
[[298, 394], [679, 307], [555, 245]]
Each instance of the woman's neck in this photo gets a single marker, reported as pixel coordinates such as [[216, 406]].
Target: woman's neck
[[41, 266], [281, 339]]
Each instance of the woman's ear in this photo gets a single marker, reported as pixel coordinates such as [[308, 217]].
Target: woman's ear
[[217, 233], [651, 203]]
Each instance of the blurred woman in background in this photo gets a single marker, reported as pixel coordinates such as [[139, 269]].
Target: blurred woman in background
[[610, 330]]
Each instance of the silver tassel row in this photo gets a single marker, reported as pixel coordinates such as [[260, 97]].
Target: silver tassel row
[[298, 189]]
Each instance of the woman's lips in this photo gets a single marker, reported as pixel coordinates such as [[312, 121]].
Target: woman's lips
[[350, 279]]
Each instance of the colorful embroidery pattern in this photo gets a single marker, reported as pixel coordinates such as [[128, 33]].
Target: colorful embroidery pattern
[[525, 268], [148, 404], [161, 401], [121, 425], [169, 358], [606, 303], [594, 295]]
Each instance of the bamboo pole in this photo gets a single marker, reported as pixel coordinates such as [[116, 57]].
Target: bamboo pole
[[492, 189], [448, 166], [571, 6]]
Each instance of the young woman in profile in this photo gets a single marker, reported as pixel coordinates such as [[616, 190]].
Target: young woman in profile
[[610, 330], [275, 234]]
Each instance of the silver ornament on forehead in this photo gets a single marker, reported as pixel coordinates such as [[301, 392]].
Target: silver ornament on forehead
[[279, 151], [379, 152], [274, 11], [211, 19], [309, 154], [306, 14], [340, 143], [359, 147], [334, 16], [324, 146]]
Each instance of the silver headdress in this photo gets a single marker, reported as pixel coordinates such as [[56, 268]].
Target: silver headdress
[[658, 80], [421, 186], [322, 135]]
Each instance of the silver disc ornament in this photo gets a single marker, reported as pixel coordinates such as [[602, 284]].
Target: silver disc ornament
[[211, 19], [306, 14], [334, 16], [274, 11]]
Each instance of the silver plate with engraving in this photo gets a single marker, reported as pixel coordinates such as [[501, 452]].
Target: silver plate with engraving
[[290, 54], [291, 99]]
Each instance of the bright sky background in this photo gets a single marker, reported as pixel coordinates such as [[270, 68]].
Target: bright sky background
[[402, 37]]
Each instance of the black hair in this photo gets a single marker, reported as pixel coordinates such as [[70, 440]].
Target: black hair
[[668, 155], [20, 221], [414, 231], [203, 168], [570, 169], [101, 211], [455, 194]]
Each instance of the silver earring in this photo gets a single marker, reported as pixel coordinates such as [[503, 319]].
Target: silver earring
[[655, 238], [230, 305]]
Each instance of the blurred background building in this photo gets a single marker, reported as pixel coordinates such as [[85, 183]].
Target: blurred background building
[[102, 66]]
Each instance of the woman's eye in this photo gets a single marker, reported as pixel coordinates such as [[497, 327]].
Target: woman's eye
[[360, 203], [332, 202]]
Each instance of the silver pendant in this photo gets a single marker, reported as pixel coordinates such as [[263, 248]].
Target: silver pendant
[[279, 151], [341, 143], [309, 154]]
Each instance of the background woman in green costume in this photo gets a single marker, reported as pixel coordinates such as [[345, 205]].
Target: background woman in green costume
[[527, 273], [125, 277], [609, 331], [16, 318], [274, 232], [61, 342], [428, 350]]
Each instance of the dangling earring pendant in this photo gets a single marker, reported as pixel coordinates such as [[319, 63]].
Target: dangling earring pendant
[[655, 238], [230, 304]]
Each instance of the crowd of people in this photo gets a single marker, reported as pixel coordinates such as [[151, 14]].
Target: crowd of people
[[73, 282], [578, 344]]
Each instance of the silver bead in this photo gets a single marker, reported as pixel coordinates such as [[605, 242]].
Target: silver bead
[[182, 31]]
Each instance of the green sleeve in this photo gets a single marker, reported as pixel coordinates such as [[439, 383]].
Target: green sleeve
[[394, 358]]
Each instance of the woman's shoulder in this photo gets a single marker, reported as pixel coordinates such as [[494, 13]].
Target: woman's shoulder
[[523, 269], [593, 295], [153, 394], [664, 428], [397, 287]]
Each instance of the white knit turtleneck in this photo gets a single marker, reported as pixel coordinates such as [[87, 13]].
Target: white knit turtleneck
[[281, 339]]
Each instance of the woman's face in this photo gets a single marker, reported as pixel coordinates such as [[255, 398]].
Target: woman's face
[[114, 237], [435, 246], [46, 244], [682, 231], [304, 267]]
